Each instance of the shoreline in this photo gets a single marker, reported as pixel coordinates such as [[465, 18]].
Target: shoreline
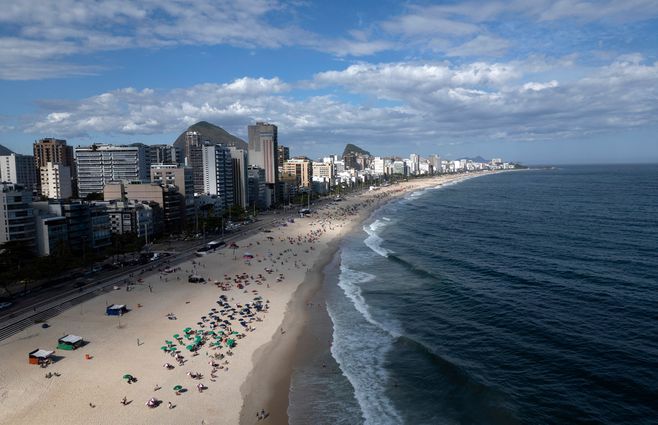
[[88, 385], [269, 382]]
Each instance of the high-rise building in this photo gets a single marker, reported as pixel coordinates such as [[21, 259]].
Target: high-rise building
[[100, 164], [300, 167], [169, 174], [57, 152], [256, 192], [167, 198], [263, 152], [55, 181], [16, 214], [283, 154], [18, 169], [52, 150], [218, 173], [414, 164], [240, 160], [164, 154], [435, 162], [324, 171], [192, 139], [132, 217], [180, 177]]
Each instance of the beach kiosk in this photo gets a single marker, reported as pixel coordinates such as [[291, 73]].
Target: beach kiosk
[[40, 356], [116, 310], [70, 342]]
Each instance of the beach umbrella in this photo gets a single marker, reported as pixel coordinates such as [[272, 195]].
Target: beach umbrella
[[190, 347], [230, 343], [127, 376], [178, 387], [164, 348], [176, 336], [186, 330]]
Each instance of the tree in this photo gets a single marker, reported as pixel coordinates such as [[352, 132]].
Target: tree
[[15, 258]]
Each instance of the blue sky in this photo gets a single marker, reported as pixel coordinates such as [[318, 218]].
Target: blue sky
[[538, 81]]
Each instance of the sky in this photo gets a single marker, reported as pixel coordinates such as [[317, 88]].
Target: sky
[[536, 81]]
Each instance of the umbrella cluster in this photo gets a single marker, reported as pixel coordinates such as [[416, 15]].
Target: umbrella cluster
[[215, 329]]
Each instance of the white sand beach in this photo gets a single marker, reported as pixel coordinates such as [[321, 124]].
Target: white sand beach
[[256, 371]]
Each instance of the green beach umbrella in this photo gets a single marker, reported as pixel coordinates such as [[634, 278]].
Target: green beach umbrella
[[178, 387], [127, 376], [164, 347], [176, 336]]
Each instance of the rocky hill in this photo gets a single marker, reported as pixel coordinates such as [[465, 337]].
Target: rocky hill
[[213, 133]]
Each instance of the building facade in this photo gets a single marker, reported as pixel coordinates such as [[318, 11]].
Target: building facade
[[55, 181], [300, 167], [18, 169], [218, 173], [256, 192], [16, 214], [264, 153], [100, 164], [164, 154], [240, 160], [57, 152]]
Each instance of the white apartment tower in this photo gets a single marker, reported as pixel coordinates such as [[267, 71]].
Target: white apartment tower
[[100, 164], [16, 214], [56, 181], [18, 169], [218, 173]]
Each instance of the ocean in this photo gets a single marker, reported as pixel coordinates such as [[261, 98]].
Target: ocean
[[526, 297]]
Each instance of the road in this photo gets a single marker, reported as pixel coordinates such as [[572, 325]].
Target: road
[[43, 304]]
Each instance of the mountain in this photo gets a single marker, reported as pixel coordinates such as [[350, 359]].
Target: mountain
[[212, 133], [5, 151], [476, 159], [350, 148]]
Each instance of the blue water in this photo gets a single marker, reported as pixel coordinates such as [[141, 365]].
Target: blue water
[[528, 297]]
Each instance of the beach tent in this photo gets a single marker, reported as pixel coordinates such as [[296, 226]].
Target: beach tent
[[40, 356], [116, 310], [70, 342]]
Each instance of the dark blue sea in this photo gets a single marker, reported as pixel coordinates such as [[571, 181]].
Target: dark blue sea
[[527, 297]]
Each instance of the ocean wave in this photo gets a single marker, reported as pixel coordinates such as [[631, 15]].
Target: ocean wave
[[374, 241], [360, 346], [347, 282]]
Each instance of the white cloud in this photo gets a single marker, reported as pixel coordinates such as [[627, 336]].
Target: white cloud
[[482, 45], [539, 86], [431, 102], [49, 32]]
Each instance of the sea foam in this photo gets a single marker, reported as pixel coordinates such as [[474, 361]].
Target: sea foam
[[374, 241], [360, 346]]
